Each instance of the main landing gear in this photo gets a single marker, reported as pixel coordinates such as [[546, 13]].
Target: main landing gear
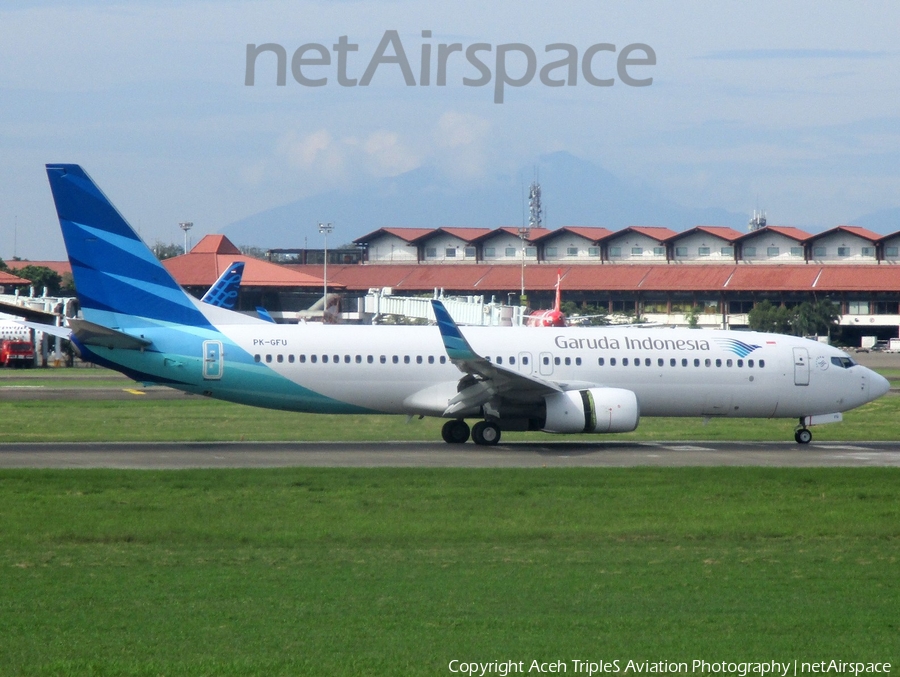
[[802, 435], [485, 433]]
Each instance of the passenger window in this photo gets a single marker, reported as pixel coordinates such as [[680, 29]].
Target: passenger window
[[337, 359], [546, 360], [577, 361], [612, 361], [684, 362], [370, 359], [512, 360], [313, 358], [524, 360], [696, 362], [406, 359], [303, 359], [431, 359], [395, 359], [324, 359], [556, 361], [750, 363], [600, 361], [359, 359], [291, 359], [499, 360], [728, 363], [718, 363], [443, 359], [661, 362], [762, 363], [257, 358], [673, 362], [740, 363], [707, 362], [383, 359], [624, 361], [280, 358], [268, 358], [647, 362], [346, 359], [568, 361]]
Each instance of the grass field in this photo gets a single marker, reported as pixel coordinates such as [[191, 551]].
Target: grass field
[[399, 571], [198, 419]]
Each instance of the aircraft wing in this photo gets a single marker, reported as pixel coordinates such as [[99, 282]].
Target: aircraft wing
[[487, 380]]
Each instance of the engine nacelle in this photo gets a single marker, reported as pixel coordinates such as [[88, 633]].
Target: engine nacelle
[[595, 410]]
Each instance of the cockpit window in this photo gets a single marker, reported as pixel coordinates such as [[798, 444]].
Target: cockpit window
[[843, 362]]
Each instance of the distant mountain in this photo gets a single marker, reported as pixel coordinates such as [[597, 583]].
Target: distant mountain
[[884, 221], [575, 192]]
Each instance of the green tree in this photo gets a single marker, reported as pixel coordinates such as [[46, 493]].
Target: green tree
[[816, 317], [767, 317], [164, 251], [40, 277]]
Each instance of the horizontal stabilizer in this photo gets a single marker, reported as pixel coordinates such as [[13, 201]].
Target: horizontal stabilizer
[[90, 334], [52, 329]]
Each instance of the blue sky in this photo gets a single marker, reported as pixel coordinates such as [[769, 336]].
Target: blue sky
[[791, 106]]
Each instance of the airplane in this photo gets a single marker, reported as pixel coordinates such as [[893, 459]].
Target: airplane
[[549, 318], [136, 319], [224, 291]]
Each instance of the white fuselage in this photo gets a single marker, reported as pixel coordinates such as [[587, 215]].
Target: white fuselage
[[672, 372]]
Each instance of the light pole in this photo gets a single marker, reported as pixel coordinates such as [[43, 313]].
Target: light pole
[[325, 228], [186, 226], [524, 232]]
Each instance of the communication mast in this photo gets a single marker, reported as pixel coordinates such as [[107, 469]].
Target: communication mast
[[535, 209], [758, 221]]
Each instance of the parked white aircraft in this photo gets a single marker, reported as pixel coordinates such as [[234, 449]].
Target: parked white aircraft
[[137, 320]]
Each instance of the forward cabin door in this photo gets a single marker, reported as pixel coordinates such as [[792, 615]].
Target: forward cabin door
[[801, 367]]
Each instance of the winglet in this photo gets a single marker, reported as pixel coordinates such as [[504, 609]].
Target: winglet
[[454, 342]]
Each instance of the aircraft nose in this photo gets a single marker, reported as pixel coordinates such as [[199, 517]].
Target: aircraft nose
[[878, 385]]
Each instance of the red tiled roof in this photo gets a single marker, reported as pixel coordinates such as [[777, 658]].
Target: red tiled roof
[[654, 232], [787, 231], [723, 232], [858, 278], [406, 234], [486, 278], [214, 253], [859, 231], [687, 278], [592, 233], [772, 278], [9, 278], [215, 244]]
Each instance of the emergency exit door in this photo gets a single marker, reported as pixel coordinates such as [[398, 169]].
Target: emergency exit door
[[212, 360]]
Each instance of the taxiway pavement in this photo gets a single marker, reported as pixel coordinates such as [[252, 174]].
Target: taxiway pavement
[[170, 455]]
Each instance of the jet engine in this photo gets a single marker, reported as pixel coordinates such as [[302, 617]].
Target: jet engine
[[595, 410]]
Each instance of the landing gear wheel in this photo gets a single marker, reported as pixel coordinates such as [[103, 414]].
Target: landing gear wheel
[[803, 436], [455, 432], [486, 433]]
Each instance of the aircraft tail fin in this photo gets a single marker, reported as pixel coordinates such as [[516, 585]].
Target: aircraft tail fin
[[115, 273], [224, 291]]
